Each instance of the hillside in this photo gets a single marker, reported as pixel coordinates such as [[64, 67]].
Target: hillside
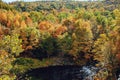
[[59, 33]]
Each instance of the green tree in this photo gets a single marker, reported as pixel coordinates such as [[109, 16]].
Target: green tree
[[51, 18], [63, 15], [49, 46], [36, 16], [30, 37], [6, 66], [11, 44]]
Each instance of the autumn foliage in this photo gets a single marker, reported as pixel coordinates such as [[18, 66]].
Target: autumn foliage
[[82, 35]]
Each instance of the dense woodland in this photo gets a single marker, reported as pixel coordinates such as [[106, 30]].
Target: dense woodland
[[40, 34]]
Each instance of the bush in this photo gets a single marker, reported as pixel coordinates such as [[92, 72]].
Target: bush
[[23, 61]]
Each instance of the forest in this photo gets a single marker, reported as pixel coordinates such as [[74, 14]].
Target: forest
[[49, 33]]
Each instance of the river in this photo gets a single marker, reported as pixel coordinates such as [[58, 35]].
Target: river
[[69, 72]]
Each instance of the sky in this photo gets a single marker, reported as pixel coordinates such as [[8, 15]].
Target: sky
[[28, 0]]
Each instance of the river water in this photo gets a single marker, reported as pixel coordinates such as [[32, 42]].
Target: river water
[[61, 73]]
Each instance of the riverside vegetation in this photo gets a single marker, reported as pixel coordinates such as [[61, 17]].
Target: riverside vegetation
[[49, 33]]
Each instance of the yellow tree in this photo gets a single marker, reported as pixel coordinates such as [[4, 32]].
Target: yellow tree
[[82, 39], [101, 50]]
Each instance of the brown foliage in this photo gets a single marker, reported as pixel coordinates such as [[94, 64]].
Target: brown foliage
[[60, 30], [44, 25], [29, 21], [3, 18]]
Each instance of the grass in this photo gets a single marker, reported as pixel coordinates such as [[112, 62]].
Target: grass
[[22, 65]]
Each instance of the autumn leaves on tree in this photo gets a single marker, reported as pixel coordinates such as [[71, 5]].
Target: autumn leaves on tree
[[81, 34]]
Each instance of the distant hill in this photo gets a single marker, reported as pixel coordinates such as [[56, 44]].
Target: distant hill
[[66, 4], [5, 6]]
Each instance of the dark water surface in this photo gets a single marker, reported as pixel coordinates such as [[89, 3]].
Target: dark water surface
[[62, 73]]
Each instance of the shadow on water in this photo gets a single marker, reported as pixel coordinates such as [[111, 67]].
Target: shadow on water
[[61, 73]]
